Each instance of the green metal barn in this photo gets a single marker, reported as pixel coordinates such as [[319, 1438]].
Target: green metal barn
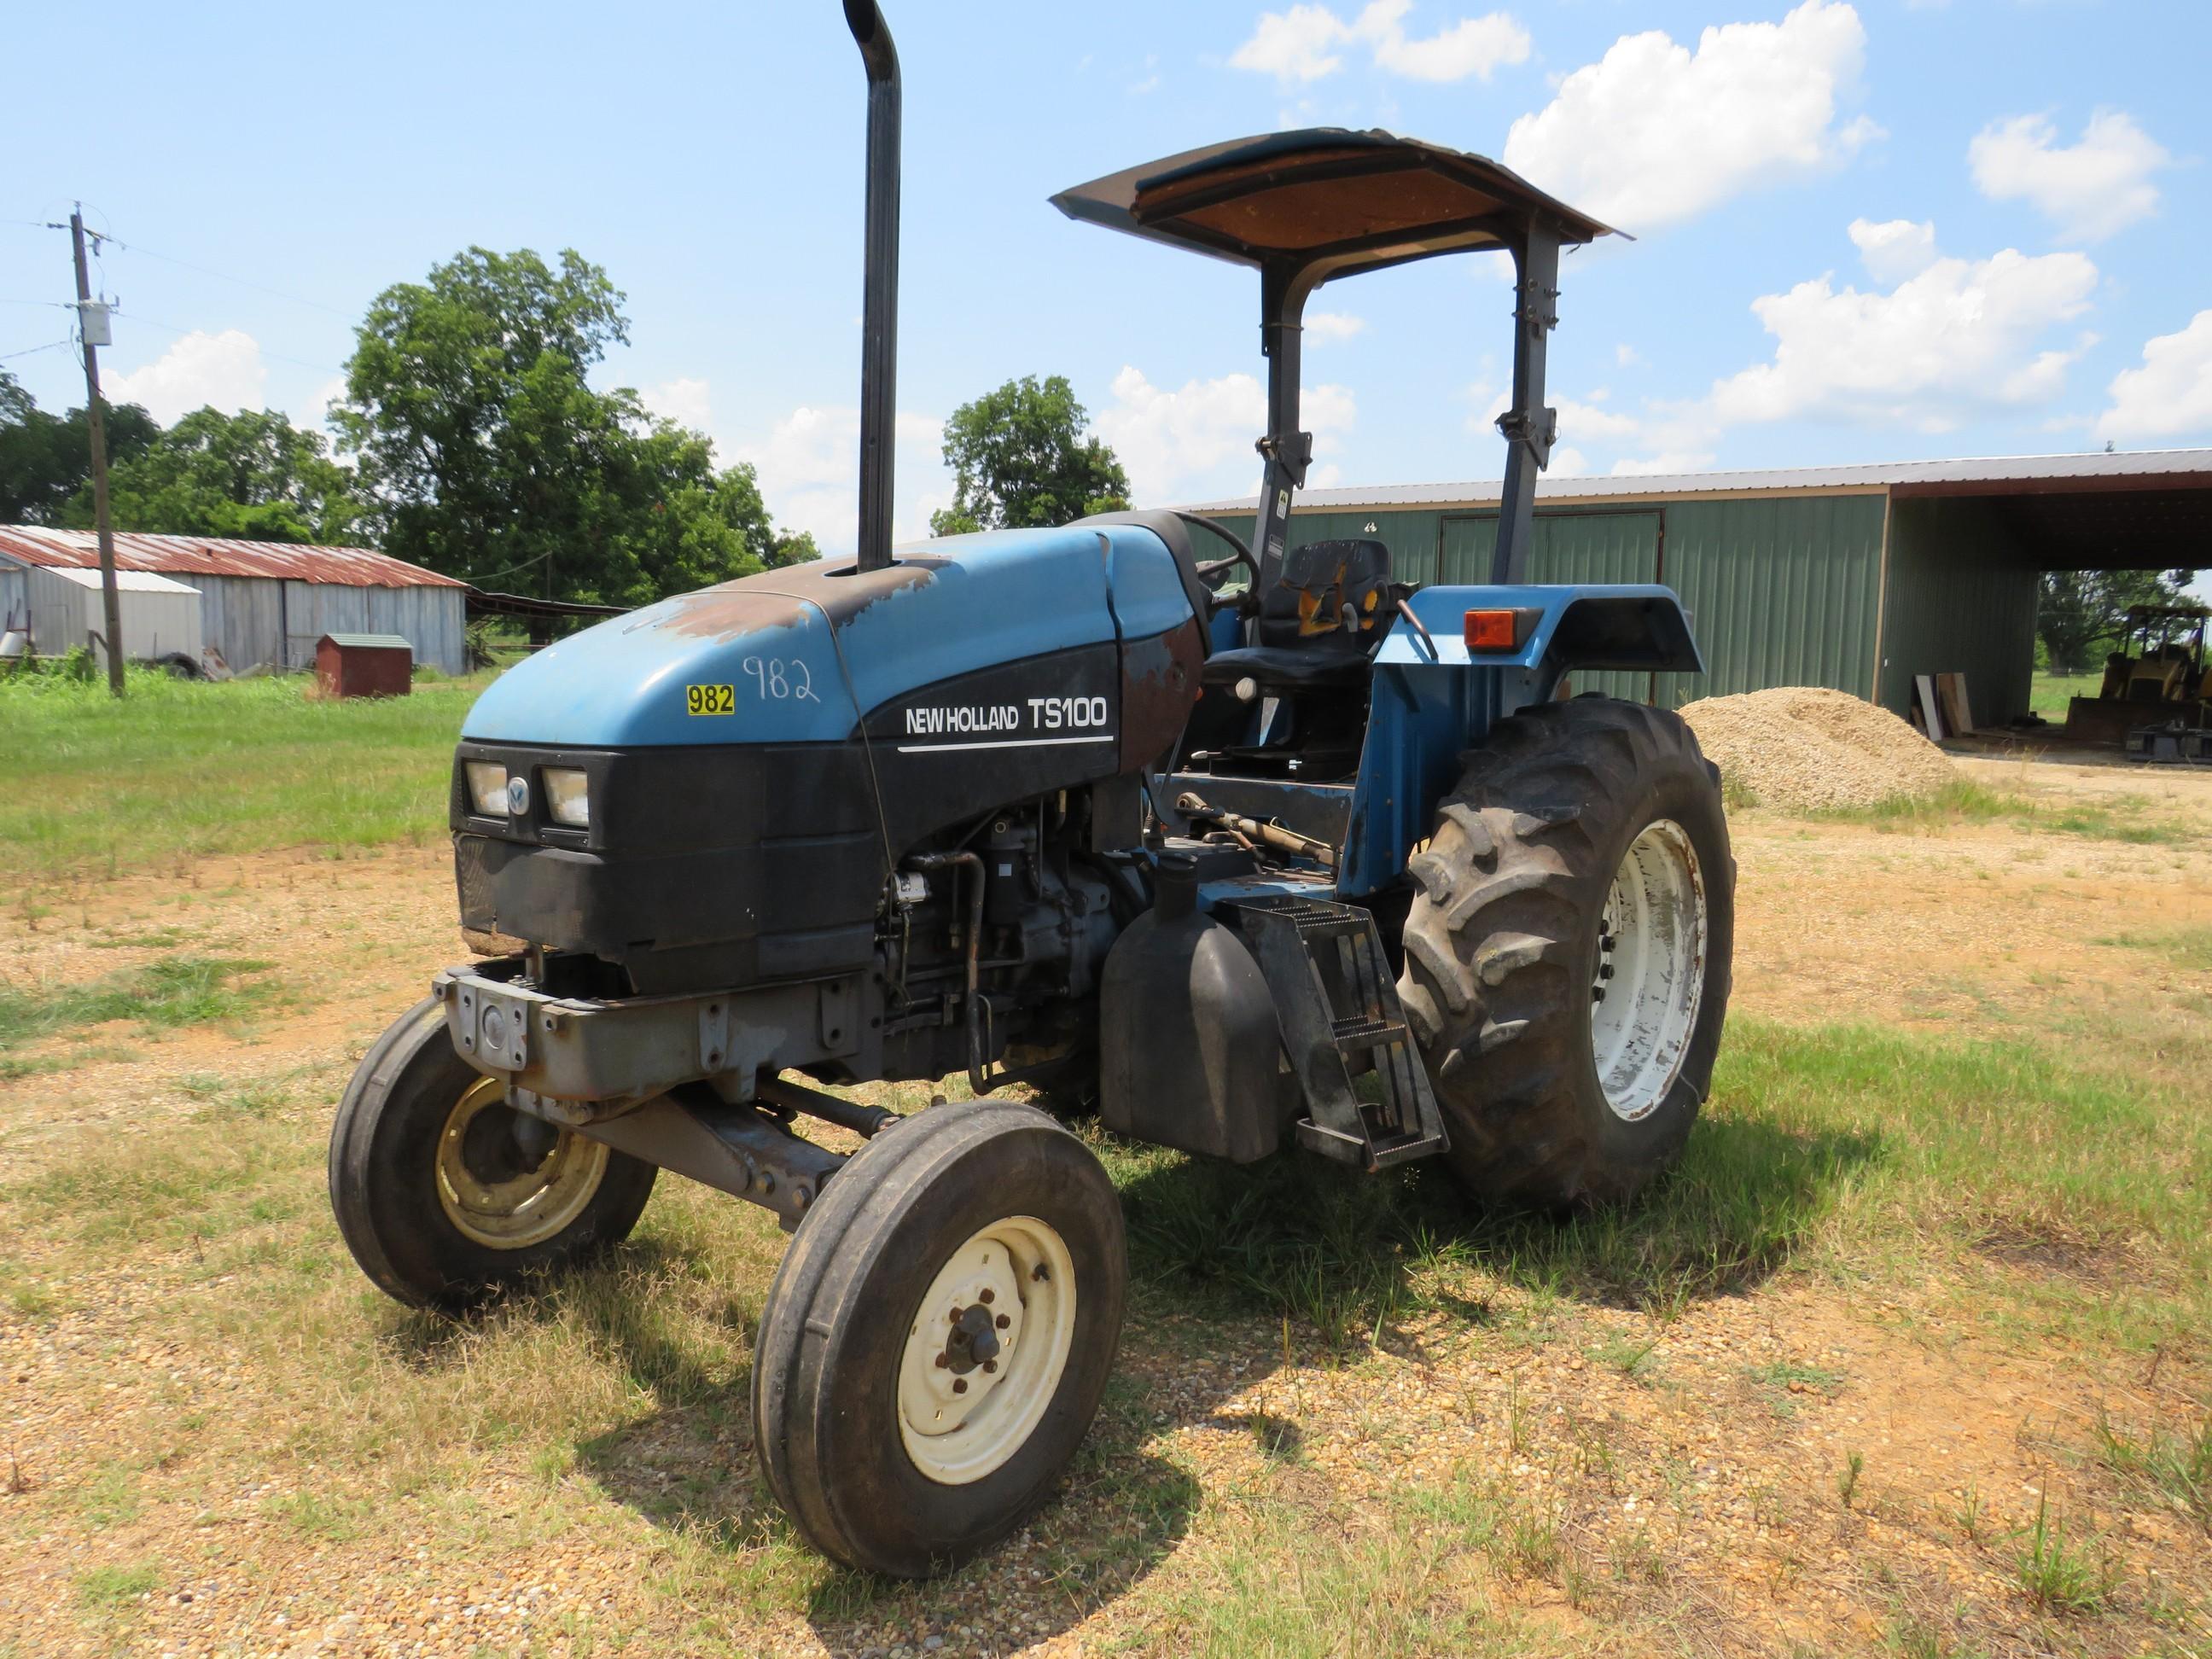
[[1855, 577]]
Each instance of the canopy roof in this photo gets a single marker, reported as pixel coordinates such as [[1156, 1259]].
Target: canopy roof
[[1352, 201]]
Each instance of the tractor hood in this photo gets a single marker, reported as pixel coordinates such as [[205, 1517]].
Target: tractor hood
[[759, 757], [806, 653]]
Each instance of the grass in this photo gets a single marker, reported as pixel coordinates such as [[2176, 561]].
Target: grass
[[1841, 1144], [2175, 1464], [2061, 1572], [184, 768], [171, 991], [2121, 818], [112, 1587], [1830, 1154], [2048, 694]]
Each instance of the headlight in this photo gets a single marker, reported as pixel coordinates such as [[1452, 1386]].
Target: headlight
[[567, 796], [488, 788]]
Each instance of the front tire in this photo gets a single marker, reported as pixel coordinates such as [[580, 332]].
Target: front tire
[[936, 1339], [446, 1195], [1568, 950]]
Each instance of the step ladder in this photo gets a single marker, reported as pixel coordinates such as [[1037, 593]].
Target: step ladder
[[1340, 1017]]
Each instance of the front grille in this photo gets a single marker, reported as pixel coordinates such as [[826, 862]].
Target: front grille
[[473, 879]]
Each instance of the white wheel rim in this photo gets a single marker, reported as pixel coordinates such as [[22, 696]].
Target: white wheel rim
[[1650, 974], [961, 1417]]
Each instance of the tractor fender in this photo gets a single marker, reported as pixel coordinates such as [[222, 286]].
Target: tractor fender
[[1558, 631]]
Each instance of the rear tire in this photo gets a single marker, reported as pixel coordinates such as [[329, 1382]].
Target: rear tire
[[888, 1440], [439, 1201], [1582, 861]]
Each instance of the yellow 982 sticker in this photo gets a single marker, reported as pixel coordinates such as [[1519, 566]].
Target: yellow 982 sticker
[[710, 700]]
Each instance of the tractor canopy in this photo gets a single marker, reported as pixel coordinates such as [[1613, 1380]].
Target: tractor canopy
[[1308, 207], [1350, 201]]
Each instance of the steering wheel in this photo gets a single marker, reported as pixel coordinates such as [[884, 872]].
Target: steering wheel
[[1213, 571]]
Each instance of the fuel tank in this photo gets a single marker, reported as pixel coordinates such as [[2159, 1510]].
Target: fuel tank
[[761, 755]]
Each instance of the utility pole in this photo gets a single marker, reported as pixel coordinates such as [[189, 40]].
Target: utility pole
[[110, 604]]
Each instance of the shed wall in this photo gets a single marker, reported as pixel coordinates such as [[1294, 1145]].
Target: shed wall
[[1781, 590], [12, 600], [1961, 600], [154, 624], [431, 619], [256, 619], [57, 618], [239, 615]]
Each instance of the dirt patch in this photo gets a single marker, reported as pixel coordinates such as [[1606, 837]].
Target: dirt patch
[[1803, 748]]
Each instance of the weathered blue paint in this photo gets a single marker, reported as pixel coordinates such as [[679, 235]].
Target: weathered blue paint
[[979, 601], [971, 602]]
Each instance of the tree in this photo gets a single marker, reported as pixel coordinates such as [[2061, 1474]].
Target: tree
[[1020, 459], [485, 453], [46, 459], [2080, 610], [253, 474]]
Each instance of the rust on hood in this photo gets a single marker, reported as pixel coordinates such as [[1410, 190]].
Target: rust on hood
[[783, 598], [1159, 687]]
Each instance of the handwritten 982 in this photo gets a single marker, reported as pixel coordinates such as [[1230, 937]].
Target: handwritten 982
[[776, 680]]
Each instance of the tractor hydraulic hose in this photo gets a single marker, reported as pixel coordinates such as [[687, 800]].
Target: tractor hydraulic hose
[[974, 865]]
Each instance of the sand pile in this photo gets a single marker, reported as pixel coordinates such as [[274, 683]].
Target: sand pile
[[1802, 746]]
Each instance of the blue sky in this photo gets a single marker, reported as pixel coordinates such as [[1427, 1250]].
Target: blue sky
[[1866, 231]]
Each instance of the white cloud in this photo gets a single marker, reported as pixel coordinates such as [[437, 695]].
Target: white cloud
[[1628, 356], [1198, 439], [222, 370], [1666, 461], [1151, 83], [1958, 336], [1304, 44], [810, 470], [2172, 393], [1325, 327], [2089, 189], [1652, 134], [313, 413], [1895, 248], [683, 400], [1474, 46], [1295, 46]]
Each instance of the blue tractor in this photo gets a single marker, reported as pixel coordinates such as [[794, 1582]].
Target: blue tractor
[[1244, 848]]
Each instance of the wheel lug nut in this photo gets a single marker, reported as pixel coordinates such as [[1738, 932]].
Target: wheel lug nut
[[959, 1385], [990, 1365], [984, 1295], [942, 1362], [1005, 1320]]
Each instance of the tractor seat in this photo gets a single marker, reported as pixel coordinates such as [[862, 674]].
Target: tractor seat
[[1286, 668], [1306, 597]]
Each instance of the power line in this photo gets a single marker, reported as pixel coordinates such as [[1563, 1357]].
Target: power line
[[179, 333], [224, 276], [27, 351]]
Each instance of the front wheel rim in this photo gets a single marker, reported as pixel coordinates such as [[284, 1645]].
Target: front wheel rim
[[985, 1349], [497, 1198], [1649, 978]]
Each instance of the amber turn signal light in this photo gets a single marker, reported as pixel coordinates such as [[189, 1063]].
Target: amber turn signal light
[[1491, 631]]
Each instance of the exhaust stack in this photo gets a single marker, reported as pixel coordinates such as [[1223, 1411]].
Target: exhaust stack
[[879, 305]]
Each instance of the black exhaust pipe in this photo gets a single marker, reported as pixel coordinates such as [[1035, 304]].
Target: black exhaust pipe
[[879, 302]]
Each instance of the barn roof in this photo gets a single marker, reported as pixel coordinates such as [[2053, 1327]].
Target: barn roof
[[126, 581], [2188, 469], [216, 555]]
